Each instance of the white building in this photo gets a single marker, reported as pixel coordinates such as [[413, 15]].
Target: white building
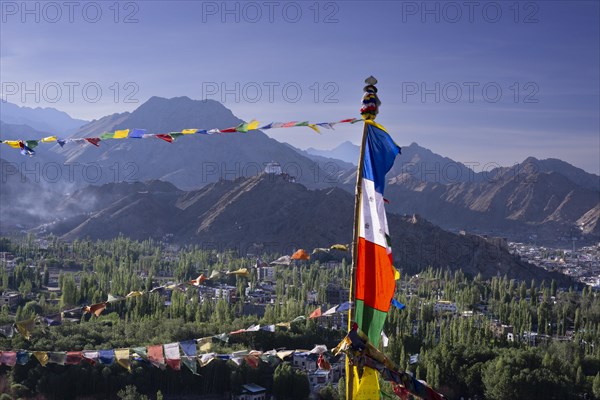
[[305, 361], [10, 299], [273, 168], [319, 379], [445, 306], [266, 273]]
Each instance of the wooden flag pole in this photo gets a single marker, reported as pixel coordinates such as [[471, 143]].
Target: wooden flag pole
[[357, 205]]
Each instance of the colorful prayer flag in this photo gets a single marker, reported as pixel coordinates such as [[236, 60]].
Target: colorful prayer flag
[[331, 311], [106, 357], [42, 357], [155, 355], [375, 283], [122, 356], [15, 144], [189, 355], [172, 356], [300, 254], [25, 327], [315, 314], [8, 358], [23, 357], [57, 357], [91, 356], [93, 141], [121, 134], [96, 309], [165, 137], [137, 133], [74, 357], [397, 304]]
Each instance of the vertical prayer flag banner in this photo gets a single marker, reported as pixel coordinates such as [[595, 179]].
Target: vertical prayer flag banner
[[375, 283], [375, 278]]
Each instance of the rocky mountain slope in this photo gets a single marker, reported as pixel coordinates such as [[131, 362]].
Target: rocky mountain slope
[[268, 213], [190, 162]]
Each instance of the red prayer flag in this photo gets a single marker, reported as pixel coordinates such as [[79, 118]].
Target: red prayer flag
[[301, 254], [174, 364], [74, 357], [252, 361], [322, 363], [165, 137], [316, 313], [93, 140], [96, 308], [155, 355]]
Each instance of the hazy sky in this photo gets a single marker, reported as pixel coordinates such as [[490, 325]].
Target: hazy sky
[[479, 81]]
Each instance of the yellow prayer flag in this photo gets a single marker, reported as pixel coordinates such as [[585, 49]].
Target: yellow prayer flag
[[49, 139], [341, 247], [367, 386], [122, 134], [25, 327], [342, 346], [240, 272], [15, 144], [205, 344], [135, 293], [252, 125], [122, 357], [42, 357], [189, 131], [314, 128], [396, 274]]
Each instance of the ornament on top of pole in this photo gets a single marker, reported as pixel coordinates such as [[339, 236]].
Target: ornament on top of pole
[[370, 101]]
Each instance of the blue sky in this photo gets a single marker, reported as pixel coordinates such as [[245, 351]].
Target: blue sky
[[480, 82]]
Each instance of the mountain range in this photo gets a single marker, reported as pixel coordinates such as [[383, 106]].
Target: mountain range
[[48, 120], [269, 213], [548, 201]]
